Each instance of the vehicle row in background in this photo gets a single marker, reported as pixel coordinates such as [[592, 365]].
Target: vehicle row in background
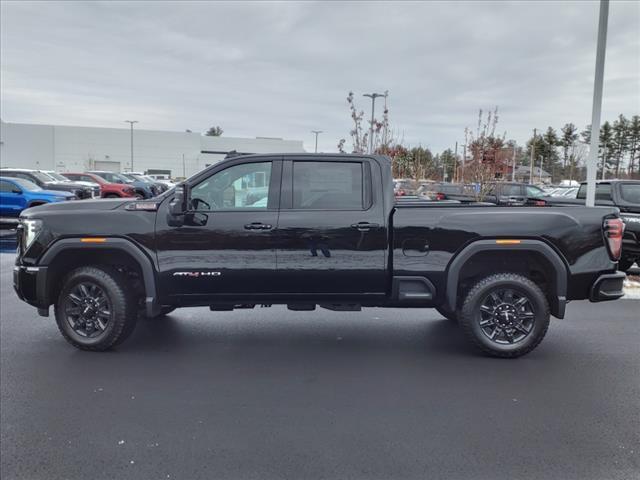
[[624, 194], [17, 194], [24, 188]]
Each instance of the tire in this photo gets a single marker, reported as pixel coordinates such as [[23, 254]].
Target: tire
[[112, 195], [447, 314], [503, 324], [100, 303], [624, 264]]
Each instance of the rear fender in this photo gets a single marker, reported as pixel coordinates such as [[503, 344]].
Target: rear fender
[[558, 298]]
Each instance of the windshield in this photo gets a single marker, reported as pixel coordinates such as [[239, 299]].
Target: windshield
[[139, 178], [43, 177], [26, 184], [128, 178], [57, 176], [113, 177]]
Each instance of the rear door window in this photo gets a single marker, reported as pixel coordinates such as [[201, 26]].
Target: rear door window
[[328, 186], [630, 192], [511, 190]]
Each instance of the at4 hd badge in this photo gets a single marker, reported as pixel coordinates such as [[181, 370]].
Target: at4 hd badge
[[196, 274]]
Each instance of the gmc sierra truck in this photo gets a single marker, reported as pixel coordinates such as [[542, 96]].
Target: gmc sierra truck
[[308, 230]]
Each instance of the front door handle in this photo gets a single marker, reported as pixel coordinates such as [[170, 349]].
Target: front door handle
[[364, 226], [257, 226]]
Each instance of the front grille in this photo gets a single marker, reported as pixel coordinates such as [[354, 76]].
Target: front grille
[[83, 193]]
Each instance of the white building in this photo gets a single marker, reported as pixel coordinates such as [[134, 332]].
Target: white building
[[77, 149]]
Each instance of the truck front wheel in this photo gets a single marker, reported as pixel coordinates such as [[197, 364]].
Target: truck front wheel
[[505, 315], [95, 309]]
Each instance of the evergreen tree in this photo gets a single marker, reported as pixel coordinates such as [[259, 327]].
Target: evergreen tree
[[620, 141], [569, 136], [550, 153], [633, 139], [607, 147]]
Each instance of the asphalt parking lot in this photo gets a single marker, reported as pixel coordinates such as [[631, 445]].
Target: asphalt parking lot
[[270, 393]]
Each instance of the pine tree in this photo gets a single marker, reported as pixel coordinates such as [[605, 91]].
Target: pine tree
[[569, 135], [620, 141], [633, 138], [550, 155], [607, 147]]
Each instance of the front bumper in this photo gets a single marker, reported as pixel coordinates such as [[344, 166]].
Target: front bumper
[[607, 287], [30, 283]]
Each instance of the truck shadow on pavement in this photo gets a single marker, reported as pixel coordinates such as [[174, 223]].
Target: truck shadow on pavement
[[177, 334]]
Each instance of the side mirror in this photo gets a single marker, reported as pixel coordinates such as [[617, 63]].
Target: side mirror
[[178, 206]]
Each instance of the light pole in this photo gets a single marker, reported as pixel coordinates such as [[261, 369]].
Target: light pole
[[131, 122], [317, 132], [601, 48], [373, 97], [541, 158]]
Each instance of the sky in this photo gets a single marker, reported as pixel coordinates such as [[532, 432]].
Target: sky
[[284, 69]]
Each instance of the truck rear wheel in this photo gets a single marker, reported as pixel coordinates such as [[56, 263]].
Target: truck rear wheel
[[505, 315], [95, 309]]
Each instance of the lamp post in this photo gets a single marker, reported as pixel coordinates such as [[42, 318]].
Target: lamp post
[[131, 122], [601, 48], [373, 97], [317, 132]]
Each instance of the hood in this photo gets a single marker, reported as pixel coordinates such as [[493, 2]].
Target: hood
[[64, 185], [75, 206], [55, 193]]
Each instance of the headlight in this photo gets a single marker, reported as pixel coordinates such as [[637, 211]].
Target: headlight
[[31, 229]]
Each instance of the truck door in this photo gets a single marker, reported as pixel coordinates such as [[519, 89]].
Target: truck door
[[332, 231], [226, 245]]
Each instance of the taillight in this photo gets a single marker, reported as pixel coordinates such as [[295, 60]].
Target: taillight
[[539, 203], [440, 196], [401, 193], [613, 230]]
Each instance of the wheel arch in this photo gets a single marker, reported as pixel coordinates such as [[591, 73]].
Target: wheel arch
[[555, 268], [72, 252], [38, 202]]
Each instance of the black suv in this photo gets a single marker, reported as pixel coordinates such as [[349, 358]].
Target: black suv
[[45, 182]]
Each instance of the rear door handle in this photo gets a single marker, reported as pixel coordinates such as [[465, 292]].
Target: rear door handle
[[364, 226], [257, 226]]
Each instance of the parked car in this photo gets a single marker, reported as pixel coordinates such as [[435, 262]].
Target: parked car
[[141, 189], [404, 186], [150, 189], [17, 194], [442, 191], [56, 177], [329, 234], [107, 189], [162, 178], [45, 182], [157, 187], [504, 193], [623, 194]]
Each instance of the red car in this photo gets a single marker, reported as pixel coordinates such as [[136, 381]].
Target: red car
[[107, 189]]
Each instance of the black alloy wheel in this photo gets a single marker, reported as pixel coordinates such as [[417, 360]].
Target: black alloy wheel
[[505, 315], [88, 310], [96, 308]]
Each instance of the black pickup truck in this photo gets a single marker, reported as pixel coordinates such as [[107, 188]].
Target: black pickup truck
[[622, 194], [312, 230]]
